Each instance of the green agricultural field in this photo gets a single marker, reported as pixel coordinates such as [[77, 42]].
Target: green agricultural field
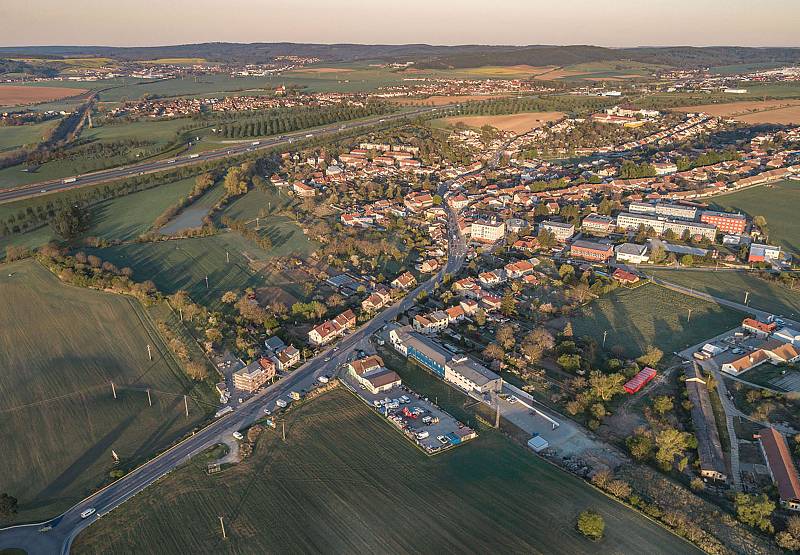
[[652, 315], [346, 482], [12, 137], [123, 218], [185, 263], [127, 217], [764, 295], [778, 204], [60, 349]]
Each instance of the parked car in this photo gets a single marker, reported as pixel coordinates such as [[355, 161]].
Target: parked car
[[238, 435], [422, 435], [443, 440]]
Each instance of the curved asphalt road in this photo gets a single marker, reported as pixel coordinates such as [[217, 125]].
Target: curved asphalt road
[[58, 539], [56, 185]]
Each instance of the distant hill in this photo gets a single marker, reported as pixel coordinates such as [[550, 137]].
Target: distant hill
[[426, 55]]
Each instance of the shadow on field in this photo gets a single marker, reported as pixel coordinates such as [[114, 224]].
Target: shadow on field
[[79, 466]]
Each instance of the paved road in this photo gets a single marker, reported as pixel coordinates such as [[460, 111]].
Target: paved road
[[68, 525], [47, 187]]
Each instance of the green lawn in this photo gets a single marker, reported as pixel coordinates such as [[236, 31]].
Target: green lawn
[[12, 137], [764, 295], [652, 315], [60, 349], [778, 204], [346, 482]]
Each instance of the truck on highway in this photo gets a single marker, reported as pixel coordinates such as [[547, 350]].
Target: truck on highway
[[70, 180], [223, 412], [255, 143], [194, 156], [309, 135]]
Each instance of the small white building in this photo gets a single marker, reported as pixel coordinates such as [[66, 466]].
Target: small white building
[[538, 443]]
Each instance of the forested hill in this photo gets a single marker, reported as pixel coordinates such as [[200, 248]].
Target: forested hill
[[427, 55]]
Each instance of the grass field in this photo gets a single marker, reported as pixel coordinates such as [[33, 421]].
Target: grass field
[[12, 137], [60, 347], [345, 482], [764, 295], [185, 263], [16, 95], [516, 123], [127, 217], [777, 203], [652, 315], [123, 218], [752, 111]]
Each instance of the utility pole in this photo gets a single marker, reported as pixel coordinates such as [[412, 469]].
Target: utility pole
[[605, 334], [222, 524], [283, 430], [186, 404], [497, 413], [180, 311], [206, 282], [746, 296], [149, 400], [257, 224], [227, 257], [149, 353], [689, 316], [113, 390]]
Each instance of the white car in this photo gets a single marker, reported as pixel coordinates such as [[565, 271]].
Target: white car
[[267, 412], [238, 435], [422, 435], [323, 379], [88, 512]]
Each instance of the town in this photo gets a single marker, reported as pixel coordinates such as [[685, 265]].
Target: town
[[550, 294]]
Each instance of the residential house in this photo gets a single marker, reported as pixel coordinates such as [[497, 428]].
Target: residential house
[[759, 329], [287, 358], [254, 375], [372, 375], [377, 300], [331, 329], [745, 362], [518, 269], [404, 281]]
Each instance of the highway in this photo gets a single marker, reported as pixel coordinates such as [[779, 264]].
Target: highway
[[57, 185], [64, 528]]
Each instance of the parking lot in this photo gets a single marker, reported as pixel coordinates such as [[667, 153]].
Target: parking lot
[[420, 420]]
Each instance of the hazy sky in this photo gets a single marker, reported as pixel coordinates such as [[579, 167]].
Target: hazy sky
[[606, 23]]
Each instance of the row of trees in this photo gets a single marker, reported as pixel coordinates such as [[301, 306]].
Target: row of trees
[[559, 103], [285, 120]]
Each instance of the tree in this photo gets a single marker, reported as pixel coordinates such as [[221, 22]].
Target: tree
[[670, 443], [70, 222], [651, 356], [196, 370], [790, 538], [570, 363], [605, 386], [508, 305], [663, 404], [493, 351], [8, 506], [640, 444], [480, 317], [235, 181], [591, 525], [687, 260], [229, 297], [755, 510], [505, 336]]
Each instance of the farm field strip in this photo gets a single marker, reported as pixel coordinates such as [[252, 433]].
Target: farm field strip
[[66, 345], [345, 482]]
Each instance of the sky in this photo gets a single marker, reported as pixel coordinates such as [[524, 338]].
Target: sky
[[597, 22]]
